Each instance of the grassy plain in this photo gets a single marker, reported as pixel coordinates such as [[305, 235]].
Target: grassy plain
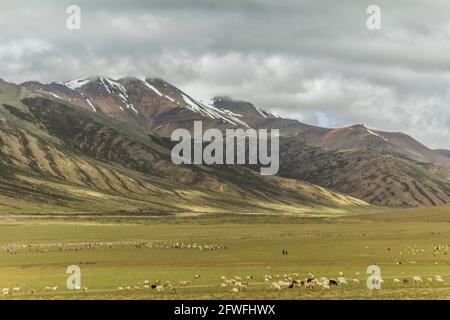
[[402, 242]]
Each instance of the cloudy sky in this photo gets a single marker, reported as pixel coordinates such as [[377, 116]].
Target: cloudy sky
[[315, 60]]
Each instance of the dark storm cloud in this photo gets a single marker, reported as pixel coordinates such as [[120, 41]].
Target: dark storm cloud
[[311, 60]]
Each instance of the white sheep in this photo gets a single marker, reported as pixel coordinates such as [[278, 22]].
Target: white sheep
[[284, 284], [276, 286], [159, 289]]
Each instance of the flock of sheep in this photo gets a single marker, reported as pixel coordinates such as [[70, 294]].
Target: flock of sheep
[[66, 247], [237, 284], [232, 284], [325, 283]]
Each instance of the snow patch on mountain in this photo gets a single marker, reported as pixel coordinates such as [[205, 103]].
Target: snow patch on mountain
[[148, 85], [116, 87], [91, 105], [376, 134], [261, 112], [231, 113], [77, 83], [54, 95], [170, 98], [211, 111]]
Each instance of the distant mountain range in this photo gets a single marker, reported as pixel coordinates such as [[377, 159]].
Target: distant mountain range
[[58, 154], [102, 144]]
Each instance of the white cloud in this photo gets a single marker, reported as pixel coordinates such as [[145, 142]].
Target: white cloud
[[314, 60]]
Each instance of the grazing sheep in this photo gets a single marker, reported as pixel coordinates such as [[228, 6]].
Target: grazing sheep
[[438, 278], [276, 286], [284, 284], [417, 279], [159, 289], [85, 289], [173, 290], [228, 282], [120, 288], [5, 291], [333, 282], [309, 285], [342, 280], [396, 280], [235, 290], [356, 281], [16, 290], [196, 276], [55, 288]]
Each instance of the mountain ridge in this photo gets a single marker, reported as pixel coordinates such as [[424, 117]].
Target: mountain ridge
[[159, 107], [60, 156]]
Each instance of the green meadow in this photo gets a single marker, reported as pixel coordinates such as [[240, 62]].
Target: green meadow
[[115, 253]]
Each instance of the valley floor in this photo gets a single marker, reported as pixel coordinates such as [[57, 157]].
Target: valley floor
[[117, 253]]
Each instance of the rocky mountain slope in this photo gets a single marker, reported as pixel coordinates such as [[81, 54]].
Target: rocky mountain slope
[[384, 168], [58, 155]]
